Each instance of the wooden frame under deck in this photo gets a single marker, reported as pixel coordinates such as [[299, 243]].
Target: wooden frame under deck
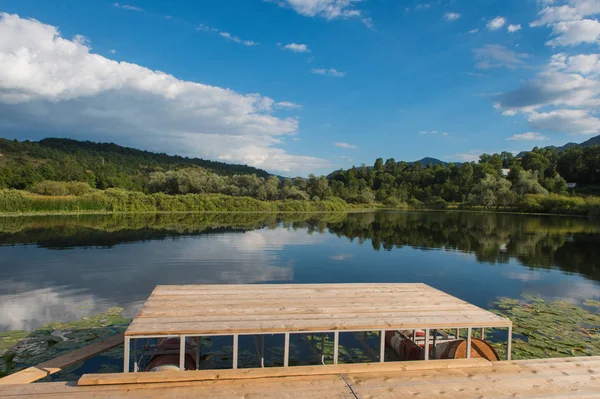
[[194, 311]]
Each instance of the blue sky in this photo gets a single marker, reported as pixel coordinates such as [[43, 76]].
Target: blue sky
[[301, 86]]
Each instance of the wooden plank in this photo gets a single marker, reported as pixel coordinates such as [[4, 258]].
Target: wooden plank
[[162, 327], [157, 312], [55, 365], [254, 287], [326, 387], [201, 375], [300, 317]]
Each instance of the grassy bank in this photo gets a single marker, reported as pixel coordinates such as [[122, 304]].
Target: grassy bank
[[117, 200]]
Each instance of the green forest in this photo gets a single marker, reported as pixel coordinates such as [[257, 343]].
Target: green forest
[[55, 175]]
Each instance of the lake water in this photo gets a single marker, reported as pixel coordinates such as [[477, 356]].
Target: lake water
[[62, 268]]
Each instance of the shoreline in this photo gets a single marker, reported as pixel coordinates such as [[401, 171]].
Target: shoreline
[[348, 211]]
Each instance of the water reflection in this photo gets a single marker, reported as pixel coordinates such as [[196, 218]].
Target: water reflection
[[62, 268]]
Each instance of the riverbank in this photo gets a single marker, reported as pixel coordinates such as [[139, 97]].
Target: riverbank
[[24, 203]]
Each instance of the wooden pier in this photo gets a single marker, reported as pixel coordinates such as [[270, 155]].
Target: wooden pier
[[184, 314], [194, 311]]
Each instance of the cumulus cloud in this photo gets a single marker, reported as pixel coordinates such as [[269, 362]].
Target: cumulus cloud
[[328, 72], [297, 48], [496, 23], [451, 16], [328, 9], [345, 145], [563, 97], [572, 121], [551, 88], [583, 64], [572, 33], [53, 86], [496, 56], [514, 28], [527, 136], [568, 21]]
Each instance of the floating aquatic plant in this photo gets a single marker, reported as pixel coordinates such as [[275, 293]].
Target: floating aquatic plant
[[21, 349], [543, 329]]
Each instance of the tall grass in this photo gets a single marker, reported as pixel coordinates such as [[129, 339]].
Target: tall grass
[[118, 200], [560, 204]]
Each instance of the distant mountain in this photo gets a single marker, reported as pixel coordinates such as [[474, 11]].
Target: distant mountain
[[585, 144], [430, 161]]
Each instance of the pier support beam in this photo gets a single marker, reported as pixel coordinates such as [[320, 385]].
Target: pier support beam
[[336, 346], [182, 353], [382, 346], [426, 347], [286, 350], [235, 351], [126, 355], [469, 332], [509, 344]]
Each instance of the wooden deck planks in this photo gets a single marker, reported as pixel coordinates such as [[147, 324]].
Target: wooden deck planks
[[231, 309], [271, 372], [540, 379]]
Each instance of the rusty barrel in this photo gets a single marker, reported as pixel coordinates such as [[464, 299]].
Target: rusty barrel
[[458, 350], [405, 348]]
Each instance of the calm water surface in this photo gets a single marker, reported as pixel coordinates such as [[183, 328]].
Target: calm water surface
[[63, 268]]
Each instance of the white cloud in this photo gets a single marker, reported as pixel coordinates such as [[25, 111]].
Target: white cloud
[[570, 121], [127, 7], [345, 145], [297, 48], [473, 31], [295, 139], [328, 9], [572, 33], [451, 16], [514, 28], [328, 72], [496, 23], [287, 104], [236, 39], [527, 136], [226, 35], [583, 64], [471, 156], [564, 97], [496, 56], [50, 85], [112, 51], [569, 24]]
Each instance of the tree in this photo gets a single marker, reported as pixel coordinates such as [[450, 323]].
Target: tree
[[527, 182], [378, 167], [492, 191]]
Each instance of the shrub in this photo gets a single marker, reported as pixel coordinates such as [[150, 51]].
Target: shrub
[[77, 188], [53, 188], [437, 203]]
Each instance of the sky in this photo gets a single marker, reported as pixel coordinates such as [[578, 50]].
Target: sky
[[303, 86]]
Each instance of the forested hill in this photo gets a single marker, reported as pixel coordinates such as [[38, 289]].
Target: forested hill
[[103, 165]]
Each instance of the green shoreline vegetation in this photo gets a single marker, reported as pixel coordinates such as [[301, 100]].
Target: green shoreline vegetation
[[68, 176]]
